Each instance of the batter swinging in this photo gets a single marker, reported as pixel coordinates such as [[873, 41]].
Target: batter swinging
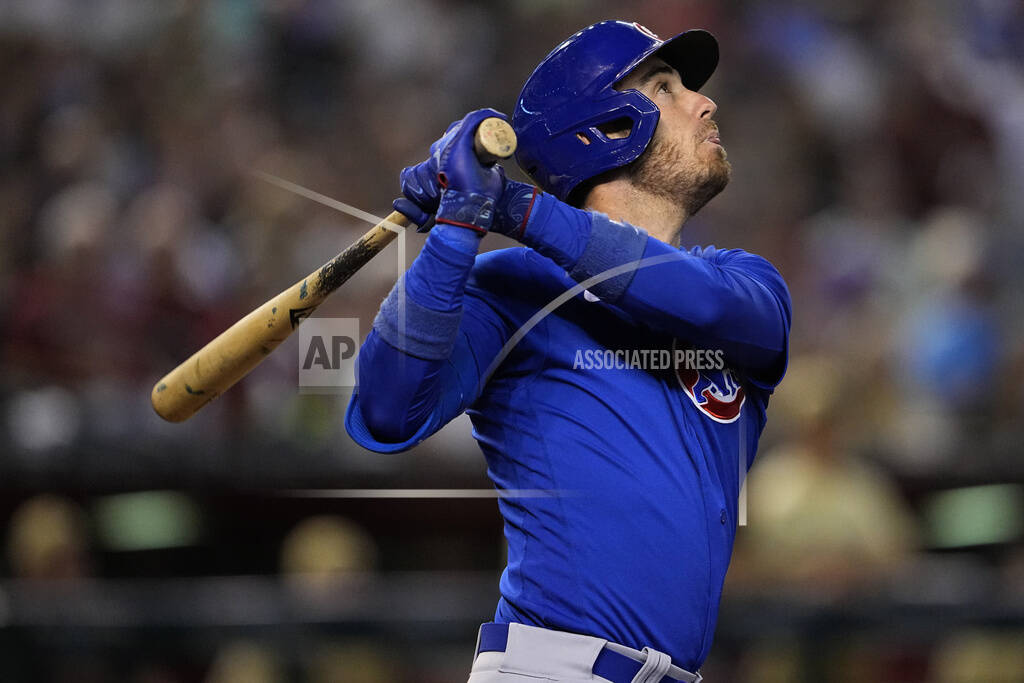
[[617, 575]]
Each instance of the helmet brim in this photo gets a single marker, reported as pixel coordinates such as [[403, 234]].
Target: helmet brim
[[694, 54]]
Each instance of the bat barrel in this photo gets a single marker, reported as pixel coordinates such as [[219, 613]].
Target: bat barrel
[[217, 366], [235, 352]]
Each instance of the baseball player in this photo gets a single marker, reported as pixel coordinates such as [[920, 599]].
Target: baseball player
[[623, 473]]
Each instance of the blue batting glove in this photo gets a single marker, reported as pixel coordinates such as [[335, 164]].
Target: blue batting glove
[[420, 188], [470, 188]]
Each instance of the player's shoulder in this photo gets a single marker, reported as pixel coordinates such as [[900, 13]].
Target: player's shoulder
[[753, 264], [722, 256]]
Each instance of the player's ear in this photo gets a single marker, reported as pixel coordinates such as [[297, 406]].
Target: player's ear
[[617, 129]]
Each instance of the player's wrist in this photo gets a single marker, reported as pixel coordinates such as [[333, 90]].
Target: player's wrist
[[466, 209], [513, 208], [552, 228], [463, 240]]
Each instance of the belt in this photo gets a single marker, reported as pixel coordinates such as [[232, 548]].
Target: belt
[[609, 664]]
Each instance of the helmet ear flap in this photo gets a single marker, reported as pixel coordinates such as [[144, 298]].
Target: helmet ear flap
[[611, 139], [614, 131], [584, 147]]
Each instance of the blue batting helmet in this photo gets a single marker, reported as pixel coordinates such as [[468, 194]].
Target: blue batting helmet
[[571, 95]]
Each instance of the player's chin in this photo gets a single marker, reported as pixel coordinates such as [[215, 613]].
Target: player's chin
[[720, 169], [718, 176]]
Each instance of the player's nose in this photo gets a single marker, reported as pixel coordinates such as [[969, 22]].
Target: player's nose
[[707, 107]]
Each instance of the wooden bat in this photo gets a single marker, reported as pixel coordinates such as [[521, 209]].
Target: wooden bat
[[235, 352]]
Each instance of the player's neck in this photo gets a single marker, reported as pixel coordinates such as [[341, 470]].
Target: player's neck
[[622, 201]]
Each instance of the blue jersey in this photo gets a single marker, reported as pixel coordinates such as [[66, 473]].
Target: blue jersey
[[629, 466]]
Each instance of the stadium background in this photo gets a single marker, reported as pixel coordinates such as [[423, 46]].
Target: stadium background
[[877, 149]]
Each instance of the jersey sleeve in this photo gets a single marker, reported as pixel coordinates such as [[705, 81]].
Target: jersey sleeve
[[728, 300], [722, 299], [403, 398], [407, 399]]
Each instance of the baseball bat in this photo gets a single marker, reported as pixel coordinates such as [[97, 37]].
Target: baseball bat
[[216, 367]]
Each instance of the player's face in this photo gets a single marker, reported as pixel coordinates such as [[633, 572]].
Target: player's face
[[685, 160]]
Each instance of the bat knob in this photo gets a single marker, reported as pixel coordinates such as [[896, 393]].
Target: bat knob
[[494, 140]]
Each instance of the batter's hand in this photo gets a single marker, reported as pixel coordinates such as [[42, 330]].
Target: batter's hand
[[420, 188], [469, 188]]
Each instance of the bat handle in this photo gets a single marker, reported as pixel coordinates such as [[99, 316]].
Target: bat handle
[[494, 140]]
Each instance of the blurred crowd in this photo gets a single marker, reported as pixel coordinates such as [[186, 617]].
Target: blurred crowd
[[877, 155]]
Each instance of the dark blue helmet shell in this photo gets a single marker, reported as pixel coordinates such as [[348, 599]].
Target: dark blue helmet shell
[[572, 91]]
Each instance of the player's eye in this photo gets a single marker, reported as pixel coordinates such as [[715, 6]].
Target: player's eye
[[662, 87]]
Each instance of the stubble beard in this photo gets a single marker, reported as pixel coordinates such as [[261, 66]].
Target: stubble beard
[[664, 170]]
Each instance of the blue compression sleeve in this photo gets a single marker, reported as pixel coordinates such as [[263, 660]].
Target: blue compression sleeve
[[435, 285], [421, 314], [413, 380], [584, 243], [557, 230]]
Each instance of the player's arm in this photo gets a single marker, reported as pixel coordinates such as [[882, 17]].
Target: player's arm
[[404, 397], [731, 300], [735, 302], [421, 363]]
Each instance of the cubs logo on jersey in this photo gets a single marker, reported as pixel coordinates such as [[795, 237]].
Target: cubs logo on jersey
[[715, 391]]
